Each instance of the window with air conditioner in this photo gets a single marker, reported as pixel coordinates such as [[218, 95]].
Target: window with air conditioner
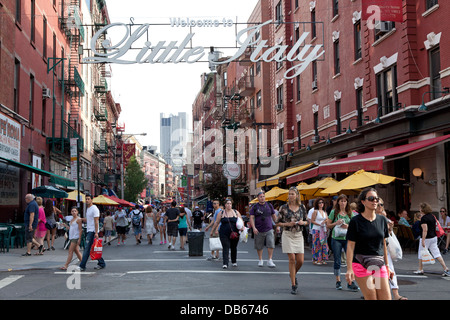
[[382, 28]]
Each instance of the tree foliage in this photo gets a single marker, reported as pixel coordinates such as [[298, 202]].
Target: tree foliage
[[134, 180]]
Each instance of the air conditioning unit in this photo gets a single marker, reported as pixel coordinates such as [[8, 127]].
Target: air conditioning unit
[[279, 107], [383, 26], [314, 84], [46, 93]]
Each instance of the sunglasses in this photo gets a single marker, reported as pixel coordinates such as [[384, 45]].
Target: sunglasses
[[372, 198]]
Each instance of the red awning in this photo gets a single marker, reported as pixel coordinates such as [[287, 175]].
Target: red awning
[[372, 161], [120, 201]]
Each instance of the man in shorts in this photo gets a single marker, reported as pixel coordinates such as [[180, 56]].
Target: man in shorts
[[31, 216], [262, 217], [171, 218]]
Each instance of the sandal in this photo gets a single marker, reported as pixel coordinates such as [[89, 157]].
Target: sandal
[[62, 268], [402, 298], [419, 272]]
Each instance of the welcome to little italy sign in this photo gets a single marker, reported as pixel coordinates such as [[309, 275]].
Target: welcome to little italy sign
[[300, 54]]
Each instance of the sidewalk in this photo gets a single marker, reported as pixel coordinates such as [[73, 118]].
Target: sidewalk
[[53, 259]]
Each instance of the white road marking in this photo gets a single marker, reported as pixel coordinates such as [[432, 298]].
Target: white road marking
[[9, 280]]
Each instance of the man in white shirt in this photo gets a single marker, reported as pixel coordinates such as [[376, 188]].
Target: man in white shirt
[[92, 229]]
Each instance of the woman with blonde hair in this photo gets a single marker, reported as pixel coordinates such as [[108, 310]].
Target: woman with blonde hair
[[292, 218], [428, 240]]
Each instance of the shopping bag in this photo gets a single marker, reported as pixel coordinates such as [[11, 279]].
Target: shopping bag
[[426, 257], [394, 247], [243, 237], [215, 244], [96, 249]]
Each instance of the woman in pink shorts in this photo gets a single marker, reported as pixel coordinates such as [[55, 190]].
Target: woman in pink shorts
[[366, 249]]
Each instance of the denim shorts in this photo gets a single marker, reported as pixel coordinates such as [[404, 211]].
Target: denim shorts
[[137, 230]]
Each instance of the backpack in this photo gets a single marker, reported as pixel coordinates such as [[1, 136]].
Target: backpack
[[136, 220]]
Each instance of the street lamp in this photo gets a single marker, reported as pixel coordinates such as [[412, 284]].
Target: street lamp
[[122, 168]]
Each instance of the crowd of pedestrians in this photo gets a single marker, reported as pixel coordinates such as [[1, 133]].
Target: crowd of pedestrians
[[358, 235]]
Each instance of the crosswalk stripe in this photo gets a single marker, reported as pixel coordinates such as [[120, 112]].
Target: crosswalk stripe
[[9, 280]]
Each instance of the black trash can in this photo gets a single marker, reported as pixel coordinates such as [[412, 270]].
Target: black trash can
[[196, 243]]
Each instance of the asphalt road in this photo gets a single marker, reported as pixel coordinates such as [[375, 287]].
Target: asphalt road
[[152, 272]]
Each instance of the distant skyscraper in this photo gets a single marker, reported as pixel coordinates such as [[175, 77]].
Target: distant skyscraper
[[173, 139]]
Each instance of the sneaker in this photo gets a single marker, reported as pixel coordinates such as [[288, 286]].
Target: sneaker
[[270, 264], [210, 258], [224, 266], [79, 269], [418, 272], [260, 263], [161, 242], [338, 285], [98, 267], [352, 287], [170, 246], [234, 264], [446, 273], [294, 290]]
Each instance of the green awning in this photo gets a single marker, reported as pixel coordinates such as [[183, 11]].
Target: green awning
[[54, 178]]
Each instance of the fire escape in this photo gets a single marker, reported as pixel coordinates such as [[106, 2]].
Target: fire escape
[[70, 80]]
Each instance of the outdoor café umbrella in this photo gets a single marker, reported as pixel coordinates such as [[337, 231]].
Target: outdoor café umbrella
[[316, 188], [49, 192], [104, 201], [120, 201], [273, 194], [359, 180], [73, 196]]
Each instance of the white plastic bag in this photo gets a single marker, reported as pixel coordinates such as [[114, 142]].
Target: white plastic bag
[[239, 223], [215, 244], [243, 237], [394, 248], [426, 257]]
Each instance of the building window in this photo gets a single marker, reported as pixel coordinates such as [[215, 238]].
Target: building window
[[280, 141], [357, 36], [435, 68], [299, 134], [280, 98], [383, 27], [296, 4], [359, 105], [258, 99], [19, 11], [44, 111], [431, 3], [313, 24], [338, 117], [31, 100], [279, 13], [44, 37], [33, 21], [316, 124], [314, 75], [298, 88], [335, 7], [16, 85], [258, 67], [337, 63], [387, 90]]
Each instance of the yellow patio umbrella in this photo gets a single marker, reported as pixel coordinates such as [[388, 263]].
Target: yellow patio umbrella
[[273, 194], [73, 196], [359, 180], [316, 188], [104, 201]]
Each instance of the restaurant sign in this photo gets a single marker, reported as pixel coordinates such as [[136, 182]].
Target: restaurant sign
[[249, 39]]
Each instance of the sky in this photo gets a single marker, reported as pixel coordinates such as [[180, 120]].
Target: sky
[[146, 90]]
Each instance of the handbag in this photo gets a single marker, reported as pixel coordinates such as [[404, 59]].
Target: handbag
[[215, 244], [233, 234], [426, 257], [340, 232], [96, 249], [439, 230], [50, 225], [394, 247]]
